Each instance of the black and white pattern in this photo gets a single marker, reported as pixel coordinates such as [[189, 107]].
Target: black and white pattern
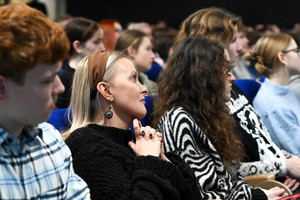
[[183, 136], [271, 158]]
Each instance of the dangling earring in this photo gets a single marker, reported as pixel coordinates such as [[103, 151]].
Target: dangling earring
[[109, 114]]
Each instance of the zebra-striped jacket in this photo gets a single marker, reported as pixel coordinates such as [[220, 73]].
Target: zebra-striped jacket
[[184, 137]]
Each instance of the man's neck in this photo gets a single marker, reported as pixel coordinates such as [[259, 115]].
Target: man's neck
[[13, 129]]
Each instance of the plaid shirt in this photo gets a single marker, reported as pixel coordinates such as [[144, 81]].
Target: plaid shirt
[[41, 169]]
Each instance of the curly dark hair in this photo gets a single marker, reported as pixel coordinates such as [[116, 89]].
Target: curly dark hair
[[194, 79]]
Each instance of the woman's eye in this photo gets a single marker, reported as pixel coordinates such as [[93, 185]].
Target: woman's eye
[[134, 77]]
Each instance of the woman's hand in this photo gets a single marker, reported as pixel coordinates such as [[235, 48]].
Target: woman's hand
[[293, 166], [291, 183], [147, 141], [275, 193], [162, 153]]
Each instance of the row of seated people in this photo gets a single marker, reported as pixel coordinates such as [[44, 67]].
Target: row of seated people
[[149, 105], [193, 153], [260, 151], [87, 36]]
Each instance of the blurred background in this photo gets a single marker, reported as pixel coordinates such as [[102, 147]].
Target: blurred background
[[282, 13]]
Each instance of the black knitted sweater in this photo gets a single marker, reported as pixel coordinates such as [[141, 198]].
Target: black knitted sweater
[[102, 157]]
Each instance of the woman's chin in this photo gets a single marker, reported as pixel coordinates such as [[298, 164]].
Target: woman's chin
[[140, 116]]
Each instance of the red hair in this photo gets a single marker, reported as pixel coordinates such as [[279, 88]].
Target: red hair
[[109, 39]]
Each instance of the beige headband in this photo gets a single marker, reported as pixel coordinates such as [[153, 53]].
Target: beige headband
[[96, 66]]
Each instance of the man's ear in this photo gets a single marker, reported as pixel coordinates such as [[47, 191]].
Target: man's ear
[[77, 46], [2, 87], [281, 58], [104, 89]]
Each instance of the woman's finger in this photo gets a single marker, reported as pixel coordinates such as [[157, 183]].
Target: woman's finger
[[295, 186], [137, 127]]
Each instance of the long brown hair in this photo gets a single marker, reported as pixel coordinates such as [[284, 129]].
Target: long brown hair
[[194, 79], [213, 23]]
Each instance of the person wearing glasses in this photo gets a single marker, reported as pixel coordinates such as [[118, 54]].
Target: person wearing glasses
[[277, 57]]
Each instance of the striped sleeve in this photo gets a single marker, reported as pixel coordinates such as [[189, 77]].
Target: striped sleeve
[[184, 137]]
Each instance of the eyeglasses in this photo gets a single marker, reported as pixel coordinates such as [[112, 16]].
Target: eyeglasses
[[297, 50]]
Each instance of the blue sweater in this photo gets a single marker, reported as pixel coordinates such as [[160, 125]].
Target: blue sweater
[[279, 109]]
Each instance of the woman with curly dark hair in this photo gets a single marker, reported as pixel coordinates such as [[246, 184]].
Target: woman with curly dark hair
[[192, 115], [262, 155]]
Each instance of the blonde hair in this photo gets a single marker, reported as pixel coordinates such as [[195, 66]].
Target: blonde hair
[[264, 56], [85, 109], [213, 23]]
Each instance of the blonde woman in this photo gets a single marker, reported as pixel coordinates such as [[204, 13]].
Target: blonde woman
[[278, 58], [115, 162]]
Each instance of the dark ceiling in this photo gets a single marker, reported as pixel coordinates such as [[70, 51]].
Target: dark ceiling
[[282, 13]]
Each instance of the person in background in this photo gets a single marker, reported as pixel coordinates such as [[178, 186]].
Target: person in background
[[112, 30], [137, 45], [164, 39], [191, 114], [243, 70], [142, 26], [277, 57], [262, 155], [295, 85], [107, 98], [63, 20], [35, 161], [86, 37], [158, 62]]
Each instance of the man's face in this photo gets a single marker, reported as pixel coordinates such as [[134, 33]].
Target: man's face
[[32, 102]]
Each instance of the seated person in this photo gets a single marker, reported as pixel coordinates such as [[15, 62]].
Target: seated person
[[191, 114], [137, 45], [277, 58], [35, 161], [115, 162], [295, 84], [262, 154], [85, 37]]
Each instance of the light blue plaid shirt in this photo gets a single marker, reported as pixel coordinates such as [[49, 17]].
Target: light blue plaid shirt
[[41, 169]]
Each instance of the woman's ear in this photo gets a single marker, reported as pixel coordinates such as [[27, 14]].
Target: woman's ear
[[131, 52], [104, 89], [281, 58], [77, 46]]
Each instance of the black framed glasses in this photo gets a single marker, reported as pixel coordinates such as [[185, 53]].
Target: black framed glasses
[[297, 50]]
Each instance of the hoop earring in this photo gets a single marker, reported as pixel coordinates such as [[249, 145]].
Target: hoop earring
[[109, 114]]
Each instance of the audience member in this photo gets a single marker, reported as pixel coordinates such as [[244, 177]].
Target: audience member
[[63, 20], [295, 79], [277, 57], [262, 155], [35, 161], [115, 162], [272, 29], [295, 85], [112, 30], [142, 26], [191, 114], [164, 39], [137, 45], [158, 62], [243, 70], [86, 37]]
